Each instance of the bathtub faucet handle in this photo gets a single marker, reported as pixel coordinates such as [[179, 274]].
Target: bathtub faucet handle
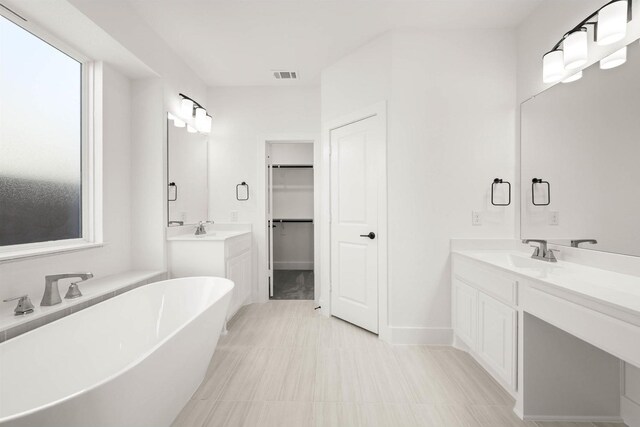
[[73, 291], [52, 294], [24, 305]]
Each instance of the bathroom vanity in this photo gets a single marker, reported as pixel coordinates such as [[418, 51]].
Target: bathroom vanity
[[562, 338], [220, 253]]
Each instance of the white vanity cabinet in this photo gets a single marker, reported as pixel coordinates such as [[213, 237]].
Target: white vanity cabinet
[[218, 253], [485, 318]]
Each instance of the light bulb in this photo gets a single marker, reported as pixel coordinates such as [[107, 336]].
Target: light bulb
[[186, 108], [201, 115], [575, 48], [208, 120], [617, 58], [552, 66], [612, 23], [573, 78], [190, 129], [178, 122]]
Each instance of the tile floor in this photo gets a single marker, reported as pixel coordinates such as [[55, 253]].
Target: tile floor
[[292, 284], [282, 364]]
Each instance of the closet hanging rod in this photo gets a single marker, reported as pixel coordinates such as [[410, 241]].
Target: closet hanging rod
[[292, 166], [291, 220]]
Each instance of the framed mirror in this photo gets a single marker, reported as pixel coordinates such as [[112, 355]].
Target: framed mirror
[[581, 141], [187, 176]]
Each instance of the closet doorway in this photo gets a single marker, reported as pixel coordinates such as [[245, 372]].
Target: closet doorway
[[290, 220]]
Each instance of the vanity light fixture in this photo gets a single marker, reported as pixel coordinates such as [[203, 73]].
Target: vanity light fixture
[[191, 109], [575, 49], [571, 52], [553, 66], [617, 58], [612, 22], [186, 107]]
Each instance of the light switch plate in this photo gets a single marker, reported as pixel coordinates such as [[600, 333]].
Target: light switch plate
[[554, 218], [476, 218], [234, 216]]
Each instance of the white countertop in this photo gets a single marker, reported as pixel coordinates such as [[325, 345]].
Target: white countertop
[[214, 235], [615, 289]]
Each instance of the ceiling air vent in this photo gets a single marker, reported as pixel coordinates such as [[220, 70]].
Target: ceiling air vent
[[285, 75]]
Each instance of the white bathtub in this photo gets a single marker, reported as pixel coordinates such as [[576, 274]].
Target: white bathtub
[[133, 360]]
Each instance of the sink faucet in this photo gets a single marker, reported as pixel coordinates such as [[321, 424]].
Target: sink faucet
[[576, 243], [51, 293], [201, 229], [541, 252]]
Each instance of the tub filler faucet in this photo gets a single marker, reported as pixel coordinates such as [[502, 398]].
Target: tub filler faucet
[[52, 293]]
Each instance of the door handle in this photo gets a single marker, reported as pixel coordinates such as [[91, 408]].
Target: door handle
[[371, 235]]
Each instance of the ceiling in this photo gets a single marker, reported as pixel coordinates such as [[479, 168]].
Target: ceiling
[[239, 43]]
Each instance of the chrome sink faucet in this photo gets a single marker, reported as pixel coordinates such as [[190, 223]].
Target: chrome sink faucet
[[542, 252], [52, 293], [201, 229]]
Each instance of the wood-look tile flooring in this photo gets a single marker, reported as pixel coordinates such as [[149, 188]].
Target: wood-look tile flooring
[[282, 364]]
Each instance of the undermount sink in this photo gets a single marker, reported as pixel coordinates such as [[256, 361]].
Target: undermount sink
[[519, 261]]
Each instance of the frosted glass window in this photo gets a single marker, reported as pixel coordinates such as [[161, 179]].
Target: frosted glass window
[[40, 140]]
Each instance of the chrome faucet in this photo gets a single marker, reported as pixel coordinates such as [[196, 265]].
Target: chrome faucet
[[52, 294], [542, 252], [201, 229], [576, 243]]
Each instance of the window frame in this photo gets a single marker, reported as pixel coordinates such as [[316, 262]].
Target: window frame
[[91, 154]]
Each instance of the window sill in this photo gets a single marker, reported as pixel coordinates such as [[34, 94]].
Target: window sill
[[44, 251]]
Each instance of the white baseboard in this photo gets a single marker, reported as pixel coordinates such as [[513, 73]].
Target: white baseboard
[[293, 265], [630, 412], [570, 419], [420, 336]]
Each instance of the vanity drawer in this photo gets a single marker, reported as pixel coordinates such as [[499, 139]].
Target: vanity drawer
[[237, 245], [493, 281]]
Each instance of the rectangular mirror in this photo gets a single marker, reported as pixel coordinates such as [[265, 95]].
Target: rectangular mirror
[[187, 173], [583, 138]]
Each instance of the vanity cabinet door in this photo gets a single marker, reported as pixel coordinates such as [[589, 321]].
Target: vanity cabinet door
[[239, 272], [465, 308], [497, 337]]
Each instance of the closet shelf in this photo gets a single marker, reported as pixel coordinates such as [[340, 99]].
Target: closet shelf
[[292, 166], [291, 220], [292, 187]]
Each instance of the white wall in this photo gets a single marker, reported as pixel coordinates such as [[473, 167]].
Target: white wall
[[27, 276], [152, 98], [452, 121], [243, 118], [451, 130]]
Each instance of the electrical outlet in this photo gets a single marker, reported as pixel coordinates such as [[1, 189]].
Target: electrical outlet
[[476, 218], [554, 218], [234, 216]]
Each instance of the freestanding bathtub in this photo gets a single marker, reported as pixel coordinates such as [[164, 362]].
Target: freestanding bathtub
[[133, 360]]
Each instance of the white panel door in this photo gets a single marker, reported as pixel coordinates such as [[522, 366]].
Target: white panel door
[[497, 326], [355, 156]]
